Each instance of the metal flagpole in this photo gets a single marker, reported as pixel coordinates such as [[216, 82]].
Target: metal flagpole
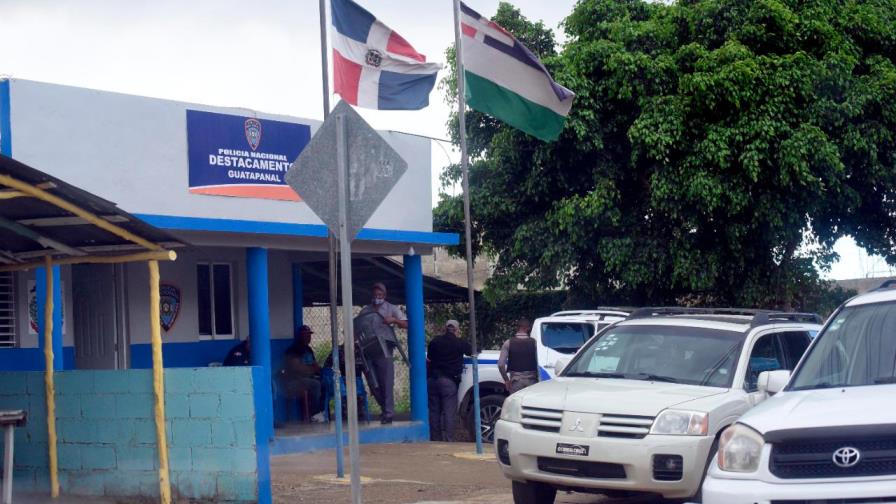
[[464, 162], [345, 257], [331, 259]]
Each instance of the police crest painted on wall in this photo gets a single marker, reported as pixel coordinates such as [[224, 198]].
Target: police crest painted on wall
[[34, 317], [253, 133], [169, 305], [32, 309]]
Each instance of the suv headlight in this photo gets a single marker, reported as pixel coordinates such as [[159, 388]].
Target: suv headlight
[[510, 411], [740, 448], [681, 423]]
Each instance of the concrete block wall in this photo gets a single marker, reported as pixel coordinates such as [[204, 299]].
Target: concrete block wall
[[107, 440]]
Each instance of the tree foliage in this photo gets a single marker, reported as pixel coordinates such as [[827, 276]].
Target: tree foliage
[[716, 148]]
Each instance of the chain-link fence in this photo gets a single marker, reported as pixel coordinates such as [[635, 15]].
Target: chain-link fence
[[318, 318]]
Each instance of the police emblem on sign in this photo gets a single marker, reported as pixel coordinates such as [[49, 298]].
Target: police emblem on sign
[[32, 309], [169, 305], [253, 133], [374, 58]]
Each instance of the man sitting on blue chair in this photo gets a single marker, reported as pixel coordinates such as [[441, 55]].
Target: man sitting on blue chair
[[301, 373]]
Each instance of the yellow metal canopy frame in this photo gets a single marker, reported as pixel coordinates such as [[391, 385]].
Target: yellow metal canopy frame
[[153, 254]]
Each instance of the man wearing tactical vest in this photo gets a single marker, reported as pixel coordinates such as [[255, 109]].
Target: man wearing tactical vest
[[518, 362]]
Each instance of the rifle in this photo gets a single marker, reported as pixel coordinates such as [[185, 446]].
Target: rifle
[[365, 366], [371, 331]]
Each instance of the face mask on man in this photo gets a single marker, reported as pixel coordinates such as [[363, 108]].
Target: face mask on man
[[378, 301]]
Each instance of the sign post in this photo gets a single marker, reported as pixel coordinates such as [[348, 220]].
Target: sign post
[[345, 258], [367, 168], [331, 259]]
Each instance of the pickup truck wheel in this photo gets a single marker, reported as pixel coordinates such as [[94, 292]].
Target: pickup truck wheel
[[489, 413], [533, 492]]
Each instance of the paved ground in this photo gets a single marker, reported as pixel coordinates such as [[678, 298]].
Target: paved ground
[[19, 498], [404, 474], [426, 473]]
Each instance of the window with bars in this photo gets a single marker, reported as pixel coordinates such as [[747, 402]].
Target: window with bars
[[7, 310], [215, 300]]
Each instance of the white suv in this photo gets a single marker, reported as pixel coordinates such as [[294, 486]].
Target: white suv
[[640, 406], [830, 434]]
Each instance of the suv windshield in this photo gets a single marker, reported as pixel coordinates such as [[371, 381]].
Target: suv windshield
[[857, 348], [691, 355], [566, 337]]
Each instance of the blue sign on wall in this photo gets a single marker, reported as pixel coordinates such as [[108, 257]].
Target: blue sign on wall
[[242, 156]]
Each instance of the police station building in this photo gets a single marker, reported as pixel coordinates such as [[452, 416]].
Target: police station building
[[213, 179]]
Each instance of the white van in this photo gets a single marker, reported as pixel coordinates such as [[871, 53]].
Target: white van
[[830, 434]]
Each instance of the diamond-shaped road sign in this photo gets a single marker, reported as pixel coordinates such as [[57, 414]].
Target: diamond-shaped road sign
[[373, 169]]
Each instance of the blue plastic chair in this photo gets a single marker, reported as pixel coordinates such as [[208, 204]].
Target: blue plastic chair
[[326, 376]]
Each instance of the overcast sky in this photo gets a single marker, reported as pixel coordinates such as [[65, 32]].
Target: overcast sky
[[262, 55]]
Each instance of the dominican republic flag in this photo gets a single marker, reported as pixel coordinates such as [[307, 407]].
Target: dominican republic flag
[[502, 78], [374, 67]]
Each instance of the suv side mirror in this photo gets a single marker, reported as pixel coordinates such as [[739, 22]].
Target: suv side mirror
[[772, 382], [561, 363]]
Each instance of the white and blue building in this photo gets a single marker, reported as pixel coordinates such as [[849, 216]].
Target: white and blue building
[[213, 178]]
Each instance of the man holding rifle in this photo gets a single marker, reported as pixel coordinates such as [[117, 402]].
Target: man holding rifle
[[380, 366]]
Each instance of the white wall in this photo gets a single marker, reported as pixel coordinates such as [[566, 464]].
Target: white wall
[[183, 274], [133, 151]]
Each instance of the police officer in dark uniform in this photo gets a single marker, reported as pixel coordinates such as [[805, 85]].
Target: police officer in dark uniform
[[446, 363], [518, 362]]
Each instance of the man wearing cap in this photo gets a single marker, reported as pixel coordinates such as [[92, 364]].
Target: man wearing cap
[[518, 361], [382, 365], [446, 364], [301, 372]]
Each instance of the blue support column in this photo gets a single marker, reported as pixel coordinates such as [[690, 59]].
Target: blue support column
[[413, 287], [40, 280], [260, 334], [5, 121], [298, 317]]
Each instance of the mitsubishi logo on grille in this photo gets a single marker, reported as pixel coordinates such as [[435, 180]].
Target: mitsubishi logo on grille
[[577, 427], [847, 457]]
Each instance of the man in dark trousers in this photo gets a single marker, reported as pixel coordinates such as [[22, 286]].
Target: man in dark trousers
[[518, 361], [446, 363], [382, 365]]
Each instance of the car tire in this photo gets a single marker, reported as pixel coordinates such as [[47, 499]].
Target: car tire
[[698, 497], [533, 492], [489, 413]]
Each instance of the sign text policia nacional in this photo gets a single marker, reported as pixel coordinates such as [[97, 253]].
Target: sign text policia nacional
[[242, 156]]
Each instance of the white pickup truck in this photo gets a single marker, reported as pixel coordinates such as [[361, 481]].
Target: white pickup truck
[[558, 336]]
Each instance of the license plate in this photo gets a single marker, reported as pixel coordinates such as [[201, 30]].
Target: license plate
[[572, 449]]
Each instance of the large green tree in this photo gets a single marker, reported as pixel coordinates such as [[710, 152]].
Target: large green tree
[[715, 151]]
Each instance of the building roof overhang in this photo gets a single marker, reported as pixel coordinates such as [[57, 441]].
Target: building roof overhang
[[44, 218]]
